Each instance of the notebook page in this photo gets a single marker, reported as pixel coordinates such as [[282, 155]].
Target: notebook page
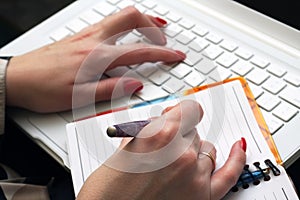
[[223, 124]]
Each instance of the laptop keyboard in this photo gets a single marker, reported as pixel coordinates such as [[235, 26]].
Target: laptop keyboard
[[210, 58]]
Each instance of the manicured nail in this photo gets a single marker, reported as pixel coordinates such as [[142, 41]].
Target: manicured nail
[[181, 54], [243, 144], [132, 86], [160, 20], [139, 88]]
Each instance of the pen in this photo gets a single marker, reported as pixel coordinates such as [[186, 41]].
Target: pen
[[128, 129]]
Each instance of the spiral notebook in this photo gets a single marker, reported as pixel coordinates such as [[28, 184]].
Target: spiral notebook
[[230, 112]]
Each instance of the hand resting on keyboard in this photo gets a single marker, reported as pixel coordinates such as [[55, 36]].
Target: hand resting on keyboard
[[43, 80]]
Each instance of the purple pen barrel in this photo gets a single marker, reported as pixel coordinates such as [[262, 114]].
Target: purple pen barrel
[[128, 129]]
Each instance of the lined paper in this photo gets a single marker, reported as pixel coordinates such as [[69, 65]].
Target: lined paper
[[227, 118]]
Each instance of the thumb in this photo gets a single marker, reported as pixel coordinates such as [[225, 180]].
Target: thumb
[[225, 178], [113, 88]]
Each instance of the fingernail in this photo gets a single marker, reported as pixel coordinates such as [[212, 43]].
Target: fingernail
[[160, 20], [243, 144], [132, 86], [181, 54]]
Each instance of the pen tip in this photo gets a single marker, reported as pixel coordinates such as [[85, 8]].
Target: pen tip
[[111, 131]]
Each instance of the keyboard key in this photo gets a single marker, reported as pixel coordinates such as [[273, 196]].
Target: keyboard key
[[257, 76], [285, 112], [293, 79], [267, 101], [220, 74], [291, 95], [260, 62], [149, 4], [212, 52], [166, 66], [181, 47], [205, 66], [216, 39], [227, 60], [173, 85], [274, 85], [150, 92], [105, 9], [198, 44], [91, 17], [200, 31], [76, 25], [173, 17], [170, 42], [130, 38], [185, 37], [172, 30], [141, 8], [125, 3], [273, 123], [60, 34], [159, 77], [161, 10], [186, 24], [146, 69], [113, 2], [276, 70], [181, 70], [241, 68], [256, 90], [192, 58], [243, 53], [194, 79], [228, 45]]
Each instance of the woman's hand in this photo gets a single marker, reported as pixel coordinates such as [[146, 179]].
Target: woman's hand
[[165, 161], [43, 80]]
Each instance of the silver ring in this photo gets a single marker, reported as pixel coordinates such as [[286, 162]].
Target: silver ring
[[211, 158]]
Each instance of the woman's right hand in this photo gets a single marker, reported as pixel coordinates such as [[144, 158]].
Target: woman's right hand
[[164, 162]]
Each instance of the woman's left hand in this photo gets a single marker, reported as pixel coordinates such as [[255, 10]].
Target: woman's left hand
[[43, 80]]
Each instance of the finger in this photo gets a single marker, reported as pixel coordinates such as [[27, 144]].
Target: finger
[[175, 122], [139, 53], [124, 142], [113, 88], [106, 89], [190, 156], [167, 109], [128, 19], [226, 177], [182, 113], [207, 156]]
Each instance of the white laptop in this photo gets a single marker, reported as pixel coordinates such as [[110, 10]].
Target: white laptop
[[238, 40]]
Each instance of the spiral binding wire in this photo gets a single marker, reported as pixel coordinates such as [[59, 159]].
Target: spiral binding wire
[[255, 177]]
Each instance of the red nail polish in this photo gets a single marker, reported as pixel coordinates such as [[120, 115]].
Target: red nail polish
[[139, 88], [132, 86], [243, 144], [160, 20]]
